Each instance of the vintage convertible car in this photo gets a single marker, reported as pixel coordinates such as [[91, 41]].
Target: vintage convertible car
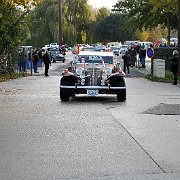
[[93, 73]]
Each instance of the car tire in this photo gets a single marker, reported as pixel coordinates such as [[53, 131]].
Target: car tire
[[121, 95], [64, 94]]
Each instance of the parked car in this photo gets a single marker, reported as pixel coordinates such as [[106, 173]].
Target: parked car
[[123, 49], [93, 73], [115, 50], [115, 44], [88, 48], [101, 49], [56, 55], [54, 46], [131, 43]]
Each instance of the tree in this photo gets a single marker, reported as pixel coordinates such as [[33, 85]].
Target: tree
[[168, 10], [13, 29], [102, 13], [78, 14], [43, 24], [75, 21], [149, 13], [25, 3], [112, 28], [12, 33]]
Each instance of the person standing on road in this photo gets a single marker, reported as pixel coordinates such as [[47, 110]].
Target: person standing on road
[[40, 57], [133, 57], [35, 60], [126, 59], [47, 62], [142, 56], [174, 65]]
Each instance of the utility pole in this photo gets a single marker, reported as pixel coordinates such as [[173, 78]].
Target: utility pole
[[60, 38]]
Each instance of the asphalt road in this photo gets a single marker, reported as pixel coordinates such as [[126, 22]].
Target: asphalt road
[[88, 138]]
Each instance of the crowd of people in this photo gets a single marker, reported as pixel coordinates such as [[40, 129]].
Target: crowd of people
[[138, 54], [134, 56], [39, 57]]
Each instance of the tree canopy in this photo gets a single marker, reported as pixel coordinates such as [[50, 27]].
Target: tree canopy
[[150, 13], [112, 28]]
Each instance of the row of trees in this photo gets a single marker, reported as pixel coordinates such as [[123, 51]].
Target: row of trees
[[35, 22], [130, 19]]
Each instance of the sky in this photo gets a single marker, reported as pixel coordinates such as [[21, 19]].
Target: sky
[[102, 3]]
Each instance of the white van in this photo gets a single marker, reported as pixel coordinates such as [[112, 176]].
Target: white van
[[114, 44]]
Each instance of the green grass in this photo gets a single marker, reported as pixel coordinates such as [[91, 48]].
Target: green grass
[[167, 79], [9, 76]]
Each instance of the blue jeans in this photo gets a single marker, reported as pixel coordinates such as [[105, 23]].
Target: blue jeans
[[35, 66], [143, 61]]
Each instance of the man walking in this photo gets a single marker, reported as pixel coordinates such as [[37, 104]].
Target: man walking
[[47, 62]]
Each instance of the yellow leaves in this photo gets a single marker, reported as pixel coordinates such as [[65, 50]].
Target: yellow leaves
[[152, 35], [25, 3]]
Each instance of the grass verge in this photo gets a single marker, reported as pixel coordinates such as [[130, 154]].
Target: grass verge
[[167, 79], [9, 76]]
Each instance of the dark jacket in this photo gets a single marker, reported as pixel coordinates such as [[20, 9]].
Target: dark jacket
[[126, 58], [142, 53], [46, 59], [174, 64]]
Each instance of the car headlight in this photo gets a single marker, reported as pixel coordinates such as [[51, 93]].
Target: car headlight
[[82, 76], [79, 71], [108, 71], [104, 76]]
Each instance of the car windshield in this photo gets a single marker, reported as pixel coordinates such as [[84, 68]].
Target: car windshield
[[95, 59]]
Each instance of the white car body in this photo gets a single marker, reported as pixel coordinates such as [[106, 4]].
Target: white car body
[[123, 49], [54, 45], [115, 44]]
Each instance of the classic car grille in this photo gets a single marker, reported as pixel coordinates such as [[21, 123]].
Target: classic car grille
[[93, 78]]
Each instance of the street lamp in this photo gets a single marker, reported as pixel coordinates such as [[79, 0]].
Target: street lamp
[[60, 22]]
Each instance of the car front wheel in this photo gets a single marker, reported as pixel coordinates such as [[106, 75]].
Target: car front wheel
[[64, 94], [121, 95]]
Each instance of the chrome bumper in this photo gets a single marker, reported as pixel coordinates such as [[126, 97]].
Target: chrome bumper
[[92, 87]]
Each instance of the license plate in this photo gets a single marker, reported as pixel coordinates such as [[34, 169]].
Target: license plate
[[92, 92]]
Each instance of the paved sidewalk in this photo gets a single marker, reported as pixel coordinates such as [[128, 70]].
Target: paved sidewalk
[[141, 72]]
